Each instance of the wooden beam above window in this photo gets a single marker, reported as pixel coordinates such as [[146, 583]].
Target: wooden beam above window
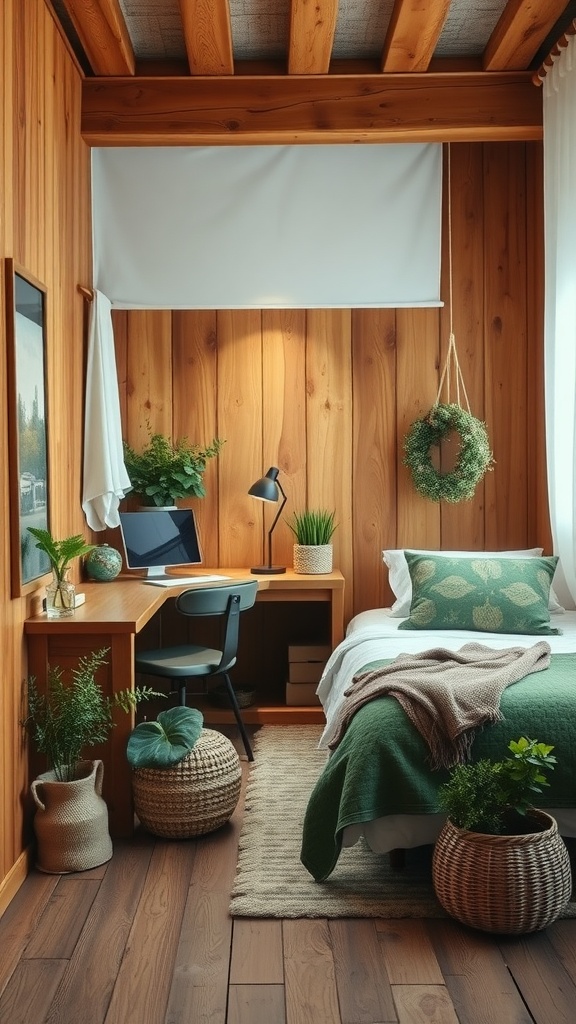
[[246, 110]]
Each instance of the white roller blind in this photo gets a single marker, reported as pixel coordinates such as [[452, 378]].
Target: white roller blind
[[255, 227]]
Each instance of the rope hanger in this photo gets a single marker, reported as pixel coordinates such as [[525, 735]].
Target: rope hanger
[[451, 363]]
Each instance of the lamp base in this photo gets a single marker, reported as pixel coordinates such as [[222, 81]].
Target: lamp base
[[268, 570]]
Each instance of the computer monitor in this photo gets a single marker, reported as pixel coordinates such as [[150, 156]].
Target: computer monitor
[[160, 538]]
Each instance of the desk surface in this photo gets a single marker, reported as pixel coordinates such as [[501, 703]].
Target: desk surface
[[126, 604]]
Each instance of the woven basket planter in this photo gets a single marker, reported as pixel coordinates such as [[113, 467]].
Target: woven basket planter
[[503, 884], [312, 558], [71, 821], [195, 796]]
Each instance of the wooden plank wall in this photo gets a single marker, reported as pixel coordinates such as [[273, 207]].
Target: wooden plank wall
[[45, 228], [328, 395]]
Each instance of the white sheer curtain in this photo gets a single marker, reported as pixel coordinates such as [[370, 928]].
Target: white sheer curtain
[[560, 305]]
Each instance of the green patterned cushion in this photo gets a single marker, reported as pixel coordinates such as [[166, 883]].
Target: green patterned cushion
[[489, 595]]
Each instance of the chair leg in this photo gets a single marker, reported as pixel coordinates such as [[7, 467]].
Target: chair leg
[[238, 717], [182, 692]]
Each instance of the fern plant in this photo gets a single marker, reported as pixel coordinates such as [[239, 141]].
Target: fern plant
[[69, 717], [166, 470], [480, 796], [312, 527]]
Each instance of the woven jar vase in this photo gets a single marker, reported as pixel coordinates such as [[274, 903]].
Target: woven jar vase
[[71, 821], [194, 796], [503, 884], [312, 558]]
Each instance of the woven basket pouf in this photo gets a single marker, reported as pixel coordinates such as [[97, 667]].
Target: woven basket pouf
[[193, 797], [504, 884]]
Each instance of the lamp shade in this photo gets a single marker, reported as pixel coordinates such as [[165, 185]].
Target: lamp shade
[[269, 488]]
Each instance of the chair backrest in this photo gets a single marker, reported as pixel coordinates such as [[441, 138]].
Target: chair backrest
[[215, 600]]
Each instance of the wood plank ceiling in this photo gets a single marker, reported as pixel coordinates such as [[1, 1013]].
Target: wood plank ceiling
[[168, 72]]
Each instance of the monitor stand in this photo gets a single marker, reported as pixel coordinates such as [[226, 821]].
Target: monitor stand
[[158, 572]]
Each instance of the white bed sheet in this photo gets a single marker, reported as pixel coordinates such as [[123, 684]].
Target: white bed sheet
[[374, 634]]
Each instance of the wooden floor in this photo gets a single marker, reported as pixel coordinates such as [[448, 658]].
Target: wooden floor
[[147, 939]]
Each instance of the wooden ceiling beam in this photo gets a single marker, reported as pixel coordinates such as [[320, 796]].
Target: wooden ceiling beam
[[102, 30], [312, 27], [413, 33], [245, 110], [520, 32], [208, 36]]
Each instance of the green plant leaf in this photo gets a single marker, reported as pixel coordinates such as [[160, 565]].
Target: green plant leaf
[[312, 527], [166, 741]]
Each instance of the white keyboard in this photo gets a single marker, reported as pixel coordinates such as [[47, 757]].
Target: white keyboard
[[185, 581]]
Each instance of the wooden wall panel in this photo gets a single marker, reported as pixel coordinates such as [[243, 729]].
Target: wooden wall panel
[[417, 365], [239, 402], [329, 427], [374, 452], [45, 228], [506, 365], [284, 416], [194, 409], [462, 525]]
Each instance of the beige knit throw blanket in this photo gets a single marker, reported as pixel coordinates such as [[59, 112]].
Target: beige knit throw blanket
[[446, 694]]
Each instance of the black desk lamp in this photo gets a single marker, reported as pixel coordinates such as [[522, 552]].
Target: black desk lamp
[[266, 489]]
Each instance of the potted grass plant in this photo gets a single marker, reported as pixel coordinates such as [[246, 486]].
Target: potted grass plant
[[499, 863], [166, 470], [71, 820], [313, 530], [185, 778]]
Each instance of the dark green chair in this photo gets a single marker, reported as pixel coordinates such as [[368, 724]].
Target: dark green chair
[[193, 661]]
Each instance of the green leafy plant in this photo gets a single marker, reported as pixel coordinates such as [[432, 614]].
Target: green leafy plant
[[166, 741], [60, 552], [71, 716], [480, 796], [164, 470], [312, 527]]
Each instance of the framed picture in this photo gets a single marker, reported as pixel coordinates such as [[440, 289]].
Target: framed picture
[[27, 423]]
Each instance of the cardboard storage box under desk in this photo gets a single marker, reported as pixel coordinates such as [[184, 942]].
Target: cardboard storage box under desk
[[305, 666], [303, 694]]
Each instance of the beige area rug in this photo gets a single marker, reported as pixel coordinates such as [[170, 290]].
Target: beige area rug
[[271, 881]]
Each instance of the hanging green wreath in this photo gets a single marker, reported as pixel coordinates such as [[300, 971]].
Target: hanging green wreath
[[474, 457]]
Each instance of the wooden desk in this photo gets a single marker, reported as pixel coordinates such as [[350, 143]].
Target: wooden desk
[[114, 613]]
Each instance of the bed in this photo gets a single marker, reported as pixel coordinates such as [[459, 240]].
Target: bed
[[378, 783]]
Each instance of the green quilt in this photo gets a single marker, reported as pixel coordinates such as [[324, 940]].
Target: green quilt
[[380, 767]]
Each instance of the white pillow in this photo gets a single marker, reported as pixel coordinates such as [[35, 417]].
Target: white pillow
[[401, 584]]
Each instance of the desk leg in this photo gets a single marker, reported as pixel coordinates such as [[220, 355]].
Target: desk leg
[[117, 775], [337, 616]]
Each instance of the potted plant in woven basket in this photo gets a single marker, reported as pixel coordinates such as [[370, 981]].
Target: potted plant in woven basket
[[185, 778], [313, 530], [71, 819], [499, 864]]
